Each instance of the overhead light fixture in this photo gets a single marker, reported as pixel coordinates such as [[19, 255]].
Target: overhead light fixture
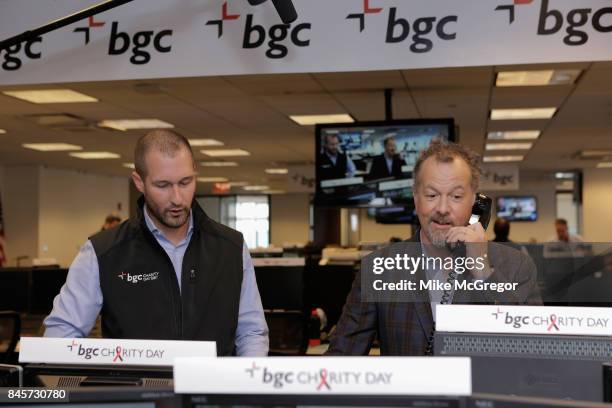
[[306, 120], [514, 135], [537, 78], [604, 165], [238, 183], [277, 171], [51, 96], [95, 155], [508, 146], [225, 152], [560, 175], [219, 164], [52, 147], [130, 124], [2, 131], [523, 113], [204, 142], [274, 191], [212, 179], [595, 153], [493, 159], [256, 188], [129, 165]]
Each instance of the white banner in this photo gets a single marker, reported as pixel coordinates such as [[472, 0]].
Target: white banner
[[588, 321], [182, 38], [324, 375], [498, 177], [111, 351]]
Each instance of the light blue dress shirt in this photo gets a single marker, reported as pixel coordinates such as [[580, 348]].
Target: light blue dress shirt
[[79, 302]]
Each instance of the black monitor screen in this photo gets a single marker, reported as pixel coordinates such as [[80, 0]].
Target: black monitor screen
[[369, 164], [517, 208]]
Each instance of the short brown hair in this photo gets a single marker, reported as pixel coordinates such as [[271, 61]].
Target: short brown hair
[[165, 141], [561, 221], [445, 152]]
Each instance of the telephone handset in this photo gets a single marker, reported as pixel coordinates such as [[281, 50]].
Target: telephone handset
[[481, 212]]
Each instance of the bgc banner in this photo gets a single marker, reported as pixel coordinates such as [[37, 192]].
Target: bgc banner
[[182, 38]]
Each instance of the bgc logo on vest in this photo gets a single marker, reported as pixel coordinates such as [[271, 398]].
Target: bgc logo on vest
[[143, 277]]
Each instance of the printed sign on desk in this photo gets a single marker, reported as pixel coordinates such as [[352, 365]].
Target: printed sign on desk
[[111, 351], [587, 321], [324, 375]]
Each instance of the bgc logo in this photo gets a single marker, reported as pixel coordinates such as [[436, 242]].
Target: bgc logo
[[125, 276], [14, 55], [276, 40]]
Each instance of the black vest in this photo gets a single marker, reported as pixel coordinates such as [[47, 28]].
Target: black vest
[[327, 169], [141, 294]]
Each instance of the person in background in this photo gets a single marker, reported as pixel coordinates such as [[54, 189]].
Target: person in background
[[563, 234], [388, 164], [111, 221], [334, 163]]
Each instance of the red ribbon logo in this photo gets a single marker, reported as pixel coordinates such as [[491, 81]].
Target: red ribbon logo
[[118, 354], [323, 374], [553, 322]]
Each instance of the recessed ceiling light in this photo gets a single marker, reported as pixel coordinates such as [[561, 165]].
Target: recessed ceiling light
[[225, 152], [238, 183], [129, 165], [256, 188], [514, 135], [537, 78], [274, 191], [564, 175], [523, 113], [277, 171], [604, 165], [129, 124], [219, 164], [508, 146], [204, 142], [306, 120], [212, 179], [52, 147], [95, 155], [2, 131], [596, 153], [492, 159], [51, 96]]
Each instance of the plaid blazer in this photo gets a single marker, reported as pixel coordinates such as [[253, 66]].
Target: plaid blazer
[[404, 328]]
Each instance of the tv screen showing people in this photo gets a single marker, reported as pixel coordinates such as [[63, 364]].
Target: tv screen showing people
[[517, 208], [370, 164]]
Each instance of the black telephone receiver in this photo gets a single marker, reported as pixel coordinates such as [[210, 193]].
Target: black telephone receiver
[[481, 211]]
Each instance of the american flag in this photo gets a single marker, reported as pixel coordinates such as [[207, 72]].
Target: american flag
[[2, 242]]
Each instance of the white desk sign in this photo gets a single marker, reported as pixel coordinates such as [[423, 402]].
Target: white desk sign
[[111, 351], [589, 321], [324, 375]]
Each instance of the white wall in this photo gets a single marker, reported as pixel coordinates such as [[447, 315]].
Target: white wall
[[370, 231], [20, 202], [49, 213], [543, 186], [596, 200], [289, 218], [73, 206]]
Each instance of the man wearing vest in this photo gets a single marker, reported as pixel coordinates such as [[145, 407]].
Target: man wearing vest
[[168, 273]]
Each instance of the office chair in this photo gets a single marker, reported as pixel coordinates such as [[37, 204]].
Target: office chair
[[10, 330]]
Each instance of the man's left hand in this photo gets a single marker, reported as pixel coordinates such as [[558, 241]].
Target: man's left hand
[[475, 240]]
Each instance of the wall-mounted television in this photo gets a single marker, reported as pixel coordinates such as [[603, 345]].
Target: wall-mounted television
[[369, 164], [514, 208]]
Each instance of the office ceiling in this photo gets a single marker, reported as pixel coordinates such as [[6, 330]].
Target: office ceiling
[[251, 112]]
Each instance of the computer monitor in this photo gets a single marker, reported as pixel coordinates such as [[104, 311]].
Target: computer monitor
[[73, 376], [370, 164], [549, 366], [281, 287]]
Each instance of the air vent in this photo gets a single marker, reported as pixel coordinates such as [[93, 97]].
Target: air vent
[[69, 382], [157, 382]]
